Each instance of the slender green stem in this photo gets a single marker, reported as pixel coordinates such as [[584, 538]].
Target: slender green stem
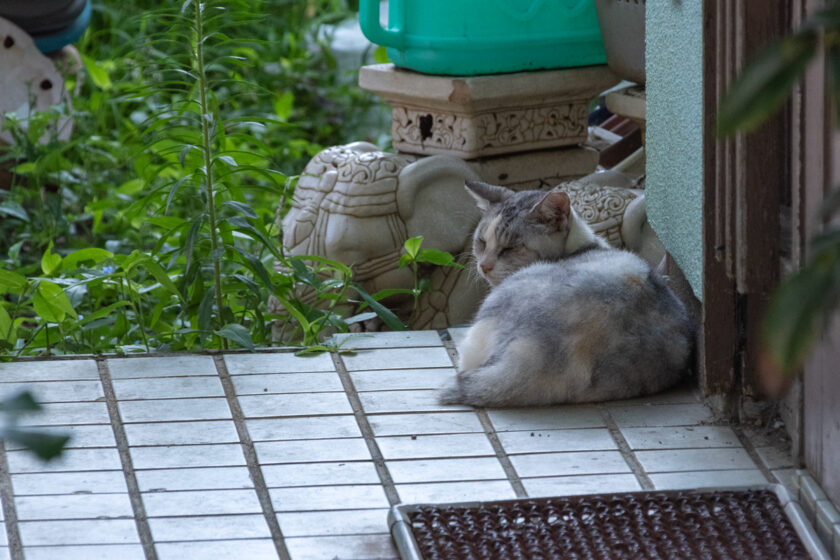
[[208, 161], [138, 308], [416, 293], [14, 314], [31, 339]]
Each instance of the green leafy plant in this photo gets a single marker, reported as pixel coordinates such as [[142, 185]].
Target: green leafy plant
[[805, 301], [414, 257], [153, 228]]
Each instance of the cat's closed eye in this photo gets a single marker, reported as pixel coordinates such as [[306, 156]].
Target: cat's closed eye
[[480, 244]]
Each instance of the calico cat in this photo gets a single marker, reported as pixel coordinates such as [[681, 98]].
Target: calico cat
[[569, 319]]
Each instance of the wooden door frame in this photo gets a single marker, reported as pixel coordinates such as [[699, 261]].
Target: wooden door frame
[[745, 183]]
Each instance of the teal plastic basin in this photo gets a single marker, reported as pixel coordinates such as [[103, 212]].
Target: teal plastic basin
[[468, 37]]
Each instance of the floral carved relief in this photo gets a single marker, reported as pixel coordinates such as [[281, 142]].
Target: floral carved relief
[[603, 208], [496, 132]]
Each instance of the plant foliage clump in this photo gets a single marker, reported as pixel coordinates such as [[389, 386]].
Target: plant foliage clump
[[152, 229]]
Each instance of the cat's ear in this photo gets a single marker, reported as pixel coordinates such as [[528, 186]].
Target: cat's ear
[[554, 208], [485, 194]]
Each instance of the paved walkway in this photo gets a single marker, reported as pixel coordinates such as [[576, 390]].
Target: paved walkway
[[269, 455]]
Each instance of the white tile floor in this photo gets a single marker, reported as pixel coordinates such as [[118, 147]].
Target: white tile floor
[[269, 455]]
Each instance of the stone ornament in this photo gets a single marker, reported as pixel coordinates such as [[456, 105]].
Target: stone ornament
[[29, 82], [604, 208], [615, 209], [488, 133], [477, 116], [358, 205]]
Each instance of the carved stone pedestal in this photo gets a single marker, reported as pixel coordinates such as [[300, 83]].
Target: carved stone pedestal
[[478, 116]]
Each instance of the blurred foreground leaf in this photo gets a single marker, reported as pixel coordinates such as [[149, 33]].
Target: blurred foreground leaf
[[766, 83], [45, 445], [802, 305]]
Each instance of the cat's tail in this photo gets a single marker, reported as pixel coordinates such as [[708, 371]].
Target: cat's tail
[[451, 393]]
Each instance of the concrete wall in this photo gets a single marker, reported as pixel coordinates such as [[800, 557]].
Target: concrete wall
[[674, 67]]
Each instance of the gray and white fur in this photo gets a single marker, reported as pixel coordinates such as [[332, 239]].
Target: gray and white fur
[[569, 319]]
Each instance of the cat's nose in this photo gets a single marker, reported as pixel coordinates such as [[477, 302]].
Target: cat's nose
[[486, 268]]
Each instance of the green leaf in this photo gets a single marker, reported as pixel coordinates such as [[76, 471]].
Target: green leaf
[[440, 258], [104, 312], [341, 267], [304, 273], [388, 292], [131, 187], [160, 275], [189, 240], [412, 246], [387, 316], [799, 307], [50, 262], [360, 317], [25, 168], [242, 226], [172, 191], [766, 83], [6, 330], [283, 105], [97, 73], [51, 303], [256, 267], [405, 260], [380, 55], [228, 160], [11, 281], [15, 210], [311, 350], [45, 445], [205, 309], [94, 255], [249, 284], [294, 312], [238, 334], [242, 208]]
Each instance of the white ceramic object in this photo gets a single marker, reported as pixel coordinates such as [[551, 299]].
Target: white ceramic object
[[29, 82], [358, 205]]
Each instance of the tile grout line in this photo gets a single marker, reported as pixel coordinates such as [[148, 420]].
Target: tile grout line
[[10, 517], [501, 454], [490, 431], [624, 448], [367, 432], [247, 444], [748, 446], [140, 517]]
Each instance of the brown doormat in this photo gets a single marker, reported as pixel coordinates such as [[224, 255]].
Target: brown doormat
[[738, 524]]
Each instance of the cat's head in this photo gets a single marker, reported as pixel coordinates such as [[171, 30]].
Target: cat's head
[[518, 228]]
